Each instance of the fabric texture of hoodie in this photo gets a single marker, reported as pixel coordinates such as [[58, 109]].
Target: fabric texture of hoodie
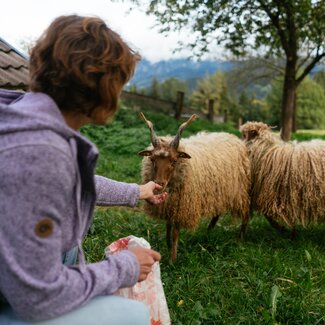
[[47, 196]]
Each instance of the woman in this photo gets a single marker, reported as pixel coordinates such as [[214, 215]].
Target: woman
[[48, 188]]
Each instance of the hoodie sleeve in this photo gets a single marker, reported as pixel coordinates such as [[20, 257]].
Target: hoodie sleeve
[[111, 192], [36, 184]]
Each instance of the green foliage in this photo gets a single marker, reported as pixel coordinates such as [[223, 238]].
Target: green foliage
[[293, 30], [154, 89], [273, 100], [167, 90], [217, 279], [212, 87], [310, 104], [242, 26], [307, 135], [319, 77], [171, 86], [253, 109]]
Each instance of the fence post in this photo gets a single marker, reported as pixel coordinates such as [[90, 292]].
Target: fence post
[[211, 110], [226, 115], [179, 105]]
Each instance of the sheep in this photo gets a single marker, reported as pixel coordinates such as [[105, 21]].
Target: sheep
[[288, 178], [205, 175]]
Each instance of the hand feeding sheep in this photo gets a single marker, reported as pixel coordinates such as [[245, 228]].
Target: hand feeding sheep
[[288, 178], [206, 175]]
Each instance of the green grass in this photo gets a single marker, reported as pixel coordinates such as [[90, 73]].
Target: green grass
[[217, 279], [302, 135], [315, 132]]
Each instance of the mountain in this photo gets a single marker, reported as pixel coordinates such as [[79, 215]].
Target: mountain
[[182, 69]]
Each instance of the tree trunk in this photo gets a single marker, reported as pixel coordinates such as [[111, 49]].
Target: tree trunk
[[288, 101], [179, 105], [294, 119], [211, 110]]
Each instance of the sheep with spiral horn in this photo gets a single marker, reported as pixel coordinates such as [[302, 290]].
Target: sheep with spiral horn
[[205, 175]]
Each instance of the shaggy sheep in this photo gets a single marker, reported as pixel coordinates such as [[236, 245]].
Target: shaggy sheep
[[288, 178], [205, 175]]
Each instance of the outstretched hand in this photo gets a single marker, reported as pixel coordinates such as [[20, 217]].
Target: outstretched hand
[[147, 192]]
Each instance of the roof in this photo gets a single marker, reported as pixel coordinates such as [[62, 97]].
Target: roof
[[13, 67]]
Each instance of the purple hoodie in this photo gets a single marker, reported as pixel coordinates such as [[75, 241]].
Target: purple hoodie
[[47, 196]]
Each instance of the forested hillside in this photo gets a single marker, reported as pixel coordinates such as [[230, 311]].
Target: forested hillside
[[182, 69], [240, 90]]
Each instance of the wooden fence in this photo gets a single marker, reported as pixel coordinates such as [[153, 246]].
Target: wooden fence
[[176, 109]]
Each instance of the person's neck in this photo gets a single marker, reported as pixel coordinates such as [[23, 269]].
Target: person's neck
[[75, 120]]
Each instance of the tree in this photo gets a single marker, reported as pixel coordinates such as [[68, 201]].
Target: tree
[[310, 104], [166, 90], [212, 87], [319, 77], [154, 89], [133, 89], [290, 29], [252, 108], [171, 86]]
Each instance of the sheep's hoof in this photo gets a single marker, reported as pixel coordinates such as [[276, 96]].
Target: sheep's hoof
[[294, 234]]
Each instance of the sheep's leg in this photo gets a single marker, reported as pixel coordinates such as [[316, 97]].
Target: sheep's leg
[[168, 235], [175, 242], [276, 225], [213, 222], [243, 227], [294, 233]]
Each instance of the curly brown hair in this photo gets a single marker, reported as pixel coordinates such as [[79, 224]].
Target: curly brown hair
[[82, 64]]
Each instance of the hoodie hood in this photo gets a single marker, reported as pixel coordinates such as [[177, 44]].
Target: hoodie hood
[[9, 96], [22, 115], [30, 112]]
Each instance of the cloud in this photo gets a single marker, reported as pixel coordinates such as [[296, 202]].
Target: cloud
[[26, 20]]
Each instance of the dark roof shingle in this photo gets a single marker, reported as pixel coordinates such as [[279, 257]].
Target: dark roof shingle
[[13, 67]]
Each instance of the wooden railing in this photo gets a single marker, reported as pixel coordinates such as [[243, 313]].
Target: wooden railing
[[176, 109]]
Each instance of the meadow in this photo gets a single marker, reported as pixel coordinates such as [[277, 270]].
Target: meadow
[[267, 278]]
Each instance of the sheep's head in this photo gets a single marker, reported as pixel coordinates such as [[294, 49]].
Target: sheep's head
[[252, 130], [165, 155]]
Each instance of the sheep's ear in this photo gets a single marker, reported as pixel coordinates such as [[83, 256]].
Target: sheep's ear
[[145, 153], [183, 155], [252, 134]]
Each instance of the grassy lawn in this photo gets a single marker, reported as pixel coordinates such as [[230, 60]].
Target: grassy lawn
[[316, 132], [302, 135], [217, 279]]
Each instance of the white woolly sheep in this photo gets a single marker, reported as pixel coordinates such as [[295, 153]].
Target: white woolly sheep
[[288, 178], [206, 175]]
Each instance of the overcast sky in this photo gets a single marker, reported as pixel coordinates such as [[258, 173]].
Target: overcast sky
[[27, 19]]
